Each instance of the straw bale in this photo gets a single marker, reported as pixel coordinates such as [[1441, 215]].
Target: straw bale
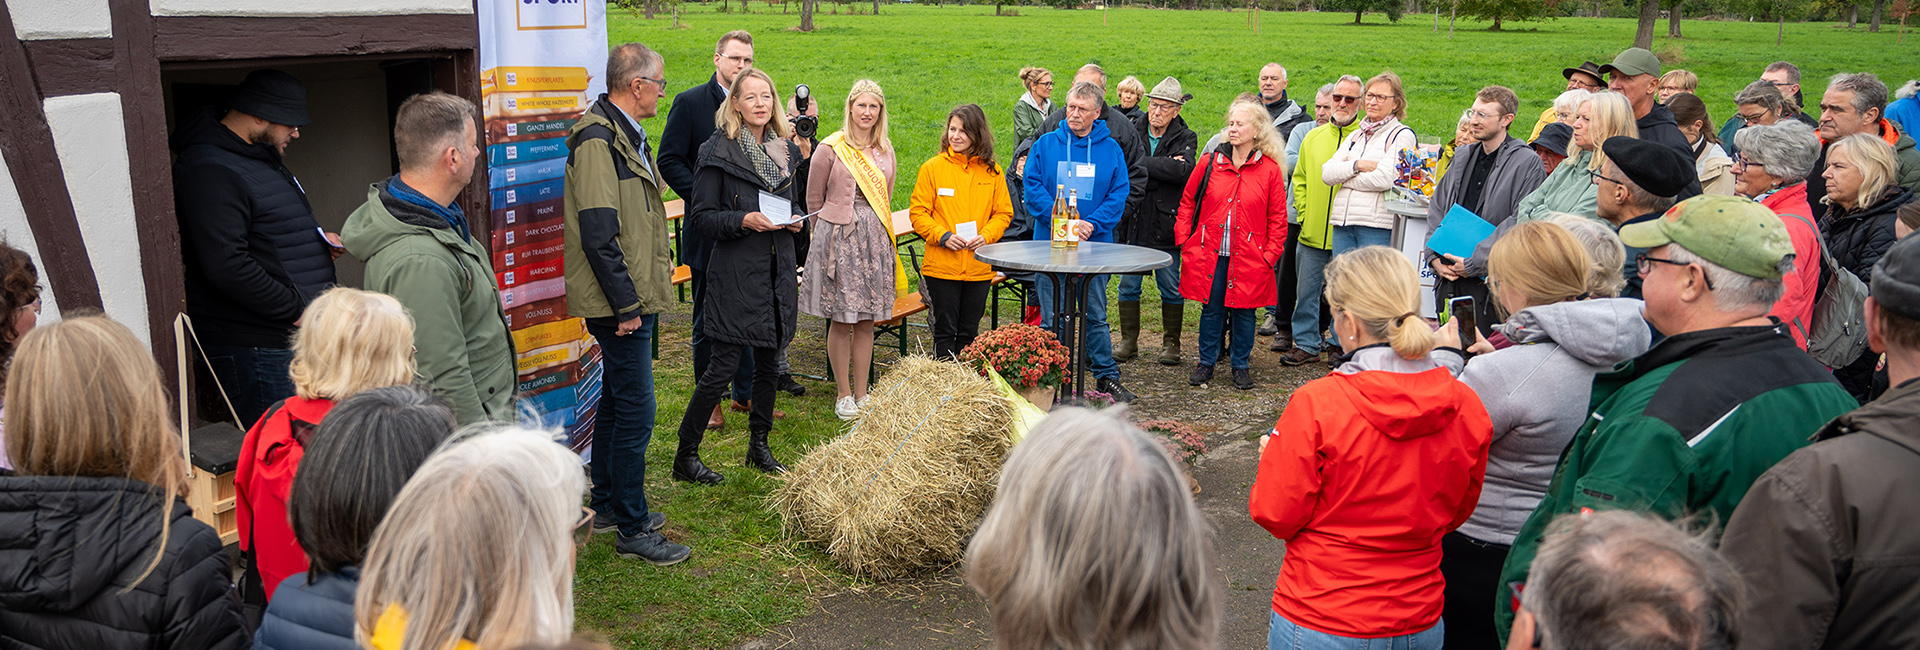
[[900, 493]]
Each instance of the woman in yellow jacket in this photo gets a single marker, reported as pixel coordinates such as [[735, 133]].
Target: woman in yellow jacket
[[960, 203]]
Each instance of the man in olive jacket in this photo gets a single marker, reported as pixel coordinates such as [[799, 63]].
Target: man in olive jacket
[[414, 239], [1685, 428], [619, 269], [1827, 539]]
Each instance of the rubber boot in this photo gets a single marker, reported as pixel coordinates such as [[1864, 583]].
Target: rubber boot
[[687, 466], [1129, 331], [760, 456], [1170, 320]]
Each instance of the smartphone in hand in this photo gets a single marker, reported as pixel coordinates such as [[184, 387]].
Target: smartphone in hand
[[1462, 309]]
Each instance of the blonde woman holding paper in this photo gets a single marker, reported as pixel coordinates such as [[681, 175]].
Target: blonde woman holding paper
[[853, 275], [960, 203]]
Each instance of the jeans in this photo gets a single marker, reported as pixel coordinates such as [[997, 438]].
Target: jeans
[[1215, 319], [1313, 281], [712, 387], [1168, 279], [703, 347], [957, 306], [253, 378], [623, 425], [1099, 343], [1283, 634], [1346, 238], [1472, 570]]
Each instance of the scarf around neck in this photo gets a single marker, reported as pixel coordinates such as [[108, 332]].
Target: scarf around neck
[[1369, 127], [763, 164]]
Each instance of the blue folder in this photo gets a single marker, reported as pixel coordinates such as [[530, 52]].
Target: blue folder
[[1460, 232]]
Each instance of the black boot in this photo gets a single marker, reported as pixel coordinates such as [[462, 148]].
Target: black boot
[[687, 466], [760, 456]]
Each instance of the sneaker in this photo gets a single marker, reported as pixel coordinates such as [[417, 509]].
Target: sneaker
[[1243, 378], [653, 548], [1112, 387], [1201, 375], [791, 387], [1270, 326], [847, 408], [654, 521], [1298, 356], [1281, 344]]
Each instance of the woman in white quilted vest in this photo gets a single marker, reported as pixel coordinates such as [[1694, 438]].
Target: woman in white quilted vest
[[1364, 168]]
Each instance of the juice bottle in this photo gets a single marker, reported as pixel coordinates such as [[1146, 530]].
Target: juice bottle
[[1073, 219], [1059, 220]]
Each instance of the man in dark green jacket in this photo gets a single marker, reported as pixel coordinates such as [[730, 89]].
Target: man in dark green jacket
[[619, 270], [414, 240], [1685, 428]]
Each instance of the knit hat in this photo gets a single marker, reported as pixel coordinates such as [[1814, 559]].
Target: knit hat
[[1733, 232], [1555, 138], [1655, 167], [1896, 279], [1168, 90], [273, 96]]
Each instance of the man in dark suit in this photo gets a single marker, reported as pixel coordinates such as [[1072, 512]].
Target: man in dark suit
[[690, 124]]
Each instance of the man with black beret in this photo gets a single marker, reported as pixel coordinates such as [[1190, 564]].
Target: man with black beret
[[253, 252], [1828, 534], [1638, 182], [1684, 429]]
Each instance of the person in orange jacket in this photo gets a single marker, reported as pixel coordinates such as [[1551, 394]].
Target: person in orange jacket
[[961, 188], [1369, 467]]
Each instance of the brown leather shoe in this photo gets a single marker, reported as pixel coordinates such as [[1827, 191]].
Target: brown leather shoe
[[718, 419], [747, 407]]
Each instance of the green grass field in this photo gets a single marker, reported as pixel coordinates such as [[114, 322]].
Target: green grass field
[[931, 59], [746, 576]]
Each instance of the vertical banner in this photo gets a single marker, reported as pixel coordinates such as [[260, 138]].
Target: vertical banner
[[540, 63]]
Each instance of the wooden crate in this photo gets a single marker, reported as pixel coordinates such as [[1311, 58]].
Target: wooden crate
[[215, 452]]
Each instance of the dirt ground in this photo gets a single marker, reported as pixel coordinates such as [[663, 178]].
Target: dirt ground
[[942, 612]]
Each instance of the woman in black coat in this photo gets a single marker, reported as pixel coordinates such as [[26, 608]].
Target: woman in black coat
[[99, 548], [752, 291], [1862, 196]]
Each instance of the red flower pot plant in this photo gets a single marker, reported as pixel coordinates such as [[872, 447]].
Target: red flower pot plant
[[1027, 356]]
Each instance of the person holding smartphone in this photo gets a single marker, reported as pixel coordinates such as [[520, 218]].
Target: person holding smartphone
[[960, 203]]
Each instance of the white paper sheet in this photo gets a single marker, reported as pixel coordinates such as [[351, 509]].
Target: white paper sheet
[[967, 229]]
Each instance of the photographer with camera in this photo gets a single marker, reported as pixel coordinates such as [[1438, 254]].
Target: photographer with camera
[[855, 275]]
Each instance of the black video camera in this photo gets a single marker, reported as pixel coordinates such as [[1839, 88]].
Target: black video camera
[[804, 125]]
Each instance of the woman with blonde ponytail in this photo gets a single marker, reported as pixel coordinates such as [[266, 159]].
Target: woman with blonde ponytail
[[102, 550], [1535, 390], [1369, 467]]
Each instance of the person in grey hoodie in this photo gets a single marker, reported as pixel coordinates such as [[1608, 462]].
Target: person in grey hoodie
[[1536, 392]]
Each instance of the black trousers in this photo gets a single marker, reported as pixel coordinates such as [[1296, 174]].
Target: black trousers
[[1286, 282], [957, 306], [1472, 570], [712, 388], [1485, 313]]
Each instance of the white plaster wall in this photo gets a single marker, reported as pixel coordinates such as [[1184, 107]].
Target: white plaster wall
[[14, 229], [304, 7], [45, 19], [91, 138]]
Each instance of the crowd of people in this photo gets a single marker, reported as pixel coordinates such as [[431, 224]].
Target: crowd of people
[[1634, 442]]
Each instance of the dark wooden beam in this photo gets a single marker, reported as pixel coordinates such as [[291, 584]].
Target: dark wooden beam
[[143, 110], [180, 38], [27, 144], [74, 66]]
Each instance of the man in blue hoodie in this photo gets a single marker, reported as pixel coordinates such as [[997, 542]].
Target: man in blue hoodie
[[1082, 155]]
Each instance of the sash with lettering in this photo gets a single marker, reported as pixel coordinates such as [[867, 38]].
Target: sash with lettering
[[872, 183]]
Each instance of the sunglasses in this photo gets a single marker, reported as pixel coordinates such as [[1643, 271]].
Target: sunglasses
[[1344, 99]]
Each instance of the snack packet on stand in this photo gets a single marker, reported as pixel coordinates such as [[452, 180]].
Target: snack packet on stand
[[1416, 172]]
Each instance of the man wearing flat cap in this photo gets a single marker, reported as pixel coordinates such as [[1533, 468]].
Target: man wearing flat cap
[[1836, 517], [1169, 159], [1638, 181], [254, 255], [1685, 428]]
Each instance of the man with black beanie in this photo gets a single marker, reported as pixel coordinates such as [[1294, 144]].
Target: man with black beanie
[[253, 253], [1638, 182]]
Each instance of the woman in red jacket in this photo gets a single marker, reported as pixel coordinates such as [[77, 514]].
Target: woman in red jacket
[[1368, 468], [349, 341], [1231, 240]]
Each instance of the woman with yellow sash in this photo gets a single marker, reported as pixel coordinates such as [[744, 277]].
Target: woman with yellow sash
[[853, 275]]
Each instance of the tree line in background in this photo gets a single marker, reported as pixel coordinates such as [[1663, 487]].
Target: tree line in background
[[1499, 12]]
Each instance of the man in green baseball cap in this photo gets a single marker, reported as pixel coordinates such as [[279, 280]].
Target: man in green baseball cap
[[1685, 428], [1635, 74]]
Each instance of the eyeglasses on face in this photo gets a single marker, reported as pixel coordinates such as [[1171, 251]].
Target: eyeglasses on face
[[662, 81], [742, 60], [1645, 264], [1595, 177], [1372, 97], [1741, 162]]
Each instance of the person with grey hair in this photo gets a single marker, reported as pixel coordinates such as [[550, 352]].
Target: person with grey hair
[[413, 236], [1686, 427], [1603, 249], [1637, 183], [1627, 580], [619, 277], [1784, 79], [1857, 103], [1772, 168], [1094, 541]]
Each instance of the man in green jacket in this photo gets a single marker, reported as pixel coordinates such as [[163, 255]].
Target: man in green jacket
[[619, 270], [1313, 201], [414, 240], [1686, 428]]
